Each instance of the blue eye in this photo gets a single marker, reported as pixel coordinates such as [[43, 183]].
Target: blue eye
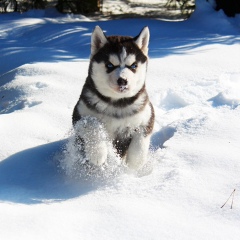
[[109, 65], [133, 66]]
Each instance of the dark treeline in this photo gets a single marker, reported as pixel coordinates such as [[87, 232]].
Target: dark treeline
[[230, 7], [64, 6]]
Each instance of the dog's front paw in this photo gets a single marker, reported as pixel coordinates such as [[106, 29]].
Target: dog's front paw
[[97, 154], [94, 137], [138, 151]]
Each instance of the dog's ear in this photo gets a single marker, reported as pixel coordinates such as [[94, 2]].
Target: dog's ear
[[98, 40], [142, 40]]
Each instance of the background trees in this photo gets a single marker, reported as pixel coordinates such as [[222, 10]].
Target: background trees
[[230, 7], [73, 6]]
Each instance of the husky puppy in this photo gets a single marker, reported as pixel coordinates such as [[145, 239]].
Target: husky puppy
[[114, 94]]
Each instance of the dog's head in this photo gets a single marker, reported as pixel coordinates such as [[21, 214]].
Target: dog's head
[[118, 64]]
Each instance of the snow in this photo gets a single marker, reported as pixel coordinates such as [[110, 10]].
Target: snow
[[193, 82]]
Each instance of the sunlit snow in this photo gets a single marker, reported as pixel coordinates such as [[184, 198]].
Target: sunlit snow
[[193, 82]]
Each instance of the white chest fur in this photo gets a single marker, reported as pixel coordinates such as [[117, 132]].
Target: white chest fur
[[114, 126]]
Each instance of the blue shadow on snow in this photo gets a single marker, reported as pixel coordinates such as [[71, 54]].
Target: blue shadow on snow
[[159, 138], [32, 176], [54, 41]]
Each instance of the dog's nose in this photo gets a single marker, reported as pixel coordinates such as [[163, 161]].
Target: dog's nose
[[122, 82]]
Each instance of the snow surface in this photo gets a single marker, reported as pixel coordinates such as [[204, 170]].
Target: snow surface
[[194, 84]]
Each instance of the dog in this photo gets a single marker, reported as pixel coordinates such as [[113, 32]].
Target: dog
[[114, 104]]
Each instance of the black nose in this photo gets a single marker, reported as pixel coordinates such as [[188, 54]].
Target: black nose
[[122, 82]]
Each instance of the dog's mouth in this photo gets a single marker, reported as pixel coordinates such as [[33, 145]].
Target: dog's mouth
[[122, 88]]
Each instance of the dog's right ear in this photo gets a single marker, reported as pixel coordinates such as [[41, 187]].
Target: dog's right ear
[[142, 40], [98, 40]]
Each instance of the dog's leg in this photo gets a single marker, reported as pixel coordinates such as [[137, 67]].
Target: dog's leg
[[94, 137], [138, 151], [96, 151]]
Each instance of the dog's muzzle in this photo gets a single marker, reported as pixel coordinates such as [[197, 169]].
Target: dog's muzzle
[[122, 83]]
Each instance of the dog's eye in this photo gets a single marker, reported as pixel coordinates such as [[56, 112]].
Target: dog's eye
[[109, 65], [133, 66]]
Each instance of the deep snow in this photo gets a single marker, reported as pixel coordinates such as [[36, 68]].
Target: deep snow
[[194, 84]]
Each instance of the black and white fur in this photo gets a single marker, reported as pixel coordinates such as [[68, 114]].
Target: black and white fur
[[114, 93]]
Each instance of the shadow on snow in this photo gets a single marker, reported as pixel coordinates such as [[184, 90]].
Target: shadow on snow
[[56, 41], [159, 138], [33, 176]]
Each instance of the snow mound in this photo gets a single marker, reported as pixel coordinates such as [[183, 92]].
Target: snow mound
[[18, 90], [171, 100], [230, 96], [160, 137]]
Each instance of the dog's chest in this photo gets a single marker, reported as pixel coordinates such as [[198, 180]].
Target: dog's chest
[[121, 124]]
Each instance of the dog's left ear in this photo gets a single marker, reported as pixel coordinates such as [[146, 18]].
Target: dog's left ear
[[142, 40], [98, 40]]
